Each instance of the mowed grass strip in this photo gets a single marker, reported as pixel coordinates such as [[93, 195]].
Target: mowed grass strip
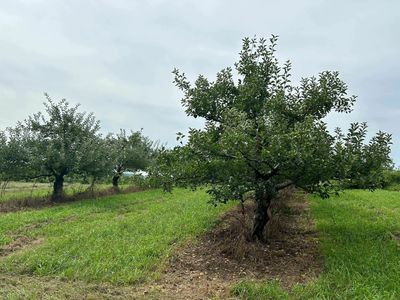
[[360, 244], [119, 239]]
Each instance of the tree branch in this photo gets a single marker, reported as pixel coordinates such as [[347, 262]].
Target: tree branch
[[273, 172], [38, 176], [283, 185], [213, 119]]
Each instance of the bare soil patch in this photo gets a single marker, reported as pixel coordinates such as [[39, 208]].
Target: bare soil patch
[[224, 256], [20, 240], [48, 288], [20, 243]]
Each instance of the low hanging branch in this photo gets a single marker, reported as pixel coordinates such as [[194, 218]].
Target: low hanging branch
[[283, 185]]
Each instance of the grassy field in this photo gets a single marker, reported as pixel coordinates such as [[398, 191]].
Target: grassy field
[[20, 190], [360, 241], [125, 239], [118, 239]]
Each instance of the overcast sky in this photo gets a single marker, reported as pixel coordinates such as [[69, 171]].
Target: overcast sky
[[115, 57]]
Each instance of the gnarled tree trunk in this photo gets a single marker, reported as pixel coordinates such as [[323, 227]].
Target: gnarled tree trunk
[[58, 186], [115, 180], [118, 171], [264, 194], [261, 218]]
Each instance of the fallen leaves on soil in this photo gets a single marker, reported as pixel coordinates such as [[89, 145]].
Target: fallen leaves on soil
[[224, 256]]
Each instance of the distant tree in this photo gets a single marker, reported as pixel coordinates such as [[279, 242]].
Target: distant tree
[[97, 161], [359, 164], [129, 152], [262, 134], [3, 149], [14, 154], [52, 144]]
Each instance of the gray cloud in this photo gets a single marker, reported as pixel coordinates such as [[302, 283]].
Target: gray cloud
[[116, 57]]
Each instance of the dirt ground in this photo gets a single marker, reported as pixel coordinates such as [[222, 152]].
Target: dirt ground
[[206, 268]]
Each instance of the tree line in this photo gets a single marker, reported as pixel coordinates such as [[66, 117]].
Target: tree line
[[63, 141]]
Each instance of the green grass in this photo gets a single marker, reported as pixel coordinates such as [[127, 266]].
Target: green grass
[[21, 190], [360, 244], [265, 291], [119, 239]]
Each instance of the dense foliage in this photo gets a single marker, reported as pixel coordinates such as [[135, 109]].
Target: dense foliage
[[129, 152], [54, 144], [391, 180], [262, 134], [62, 142]]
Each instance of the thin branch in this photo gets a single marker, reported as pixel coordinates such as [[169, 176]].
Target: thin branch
[[37, 176], [283, 185], [273, 172], [213, 119]]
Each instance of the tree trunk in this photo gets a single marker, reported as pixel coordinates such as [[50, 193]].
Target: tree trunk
[[115, 181], [58, 188], [261, 217], [91, 187]]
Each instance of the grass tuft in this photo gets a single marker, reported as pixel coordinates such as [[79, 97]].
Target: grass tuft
[[260, 291]]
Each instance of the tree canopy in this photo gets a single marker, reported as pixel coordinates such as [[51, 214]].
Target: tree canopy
[[262, 134], [52, 145], [129, 152], [64, 141]]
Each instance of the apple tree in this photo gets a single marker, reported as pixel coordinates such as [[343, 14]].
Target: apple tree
[[262, 134], [52, 145]]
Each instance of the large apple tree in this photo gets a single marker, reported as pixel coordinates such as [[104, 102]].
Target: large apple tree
[[263, 134]]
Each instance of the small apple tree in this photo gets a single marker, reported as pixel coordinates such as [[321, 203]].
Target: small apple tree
[[129, 152], [52, 144]]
